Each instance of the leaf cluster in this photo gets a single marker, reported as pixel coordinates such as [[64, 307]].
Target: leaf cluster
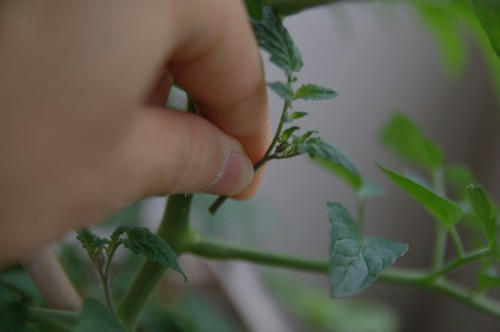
[[403, 137], [139, 240]]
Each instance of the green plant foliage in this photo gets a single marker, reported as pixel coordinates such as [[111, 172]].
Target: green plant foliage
[[333, 160], [314, 92], [273, 37], [314, 307], [355, 261], [12, 311], [445, 29], [295, 116], [483, 211], [92, 243], [488, 12], [402, 136], [459, 177], [157, 250], [254, 8], [488, 278], [96, 317], [287, 133], [283, 90], [444, 210]]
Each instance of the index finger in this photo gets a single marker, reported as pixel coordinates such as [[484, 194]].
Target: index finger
[[216, 59]]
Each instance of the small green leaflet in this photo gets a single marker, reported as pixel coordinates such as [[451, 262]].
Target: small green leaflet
[[96, 317], [333, 160], [91, 242], [282, 89], [295, 116], [405, 138], [141, 240], [287, 133], [488, 12], [444, 210], [254, 8], [273, 37], [314, 92], [355, 261], [483, 211]]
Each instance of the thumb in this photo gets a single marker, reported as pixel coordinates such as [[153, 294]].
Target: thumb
[[178, 152]]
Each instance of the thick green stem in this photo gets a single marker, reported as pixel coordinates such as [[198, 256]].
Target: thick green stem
[[174, 229], [290, 7], [218, 250], [410, 277]]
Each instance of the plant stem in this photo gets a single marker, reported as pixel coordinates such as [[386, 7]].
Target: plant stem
[[455, 238], [221, 251], [460, 261], [267, 156], [105, 287], [441, 233], [439, 247], [409, 277], [221, 199], [174, 229], [290, 7]]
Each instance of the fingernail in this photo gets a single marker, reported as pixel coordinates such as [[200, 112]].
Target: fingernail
[[235, 176]]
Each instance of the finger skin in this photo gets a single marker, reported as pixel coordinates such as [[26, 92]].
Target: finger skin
[[223, 73]]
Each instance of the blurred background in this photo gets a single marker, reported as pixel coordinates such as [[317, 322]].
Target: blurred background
[[430, 62]]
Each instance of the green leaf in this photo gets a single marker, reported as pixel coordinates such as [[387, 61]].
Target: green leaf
[[91, 242], [314, 92], [444, 210], [459, 176], [254, 8], [295, 116], [446, 31], [488, 12], [273, 37], [282, 89], [404, 137], [355, 262], [141, 241], [12, 311], [287, 133], [96, 317], [483, 211], [488, 278], [303, 138], [333, 160]]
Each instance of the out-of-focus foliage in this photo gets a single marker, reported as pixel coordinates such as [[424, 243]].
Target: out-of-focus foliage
[[452, 22], [321, 313]]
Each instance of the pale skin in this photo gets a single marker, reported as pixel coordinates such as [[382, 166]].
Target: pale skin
[[83, 128]]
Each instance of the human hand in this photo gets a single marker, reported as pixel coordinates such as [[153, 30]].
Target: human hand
[[83, 129]]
